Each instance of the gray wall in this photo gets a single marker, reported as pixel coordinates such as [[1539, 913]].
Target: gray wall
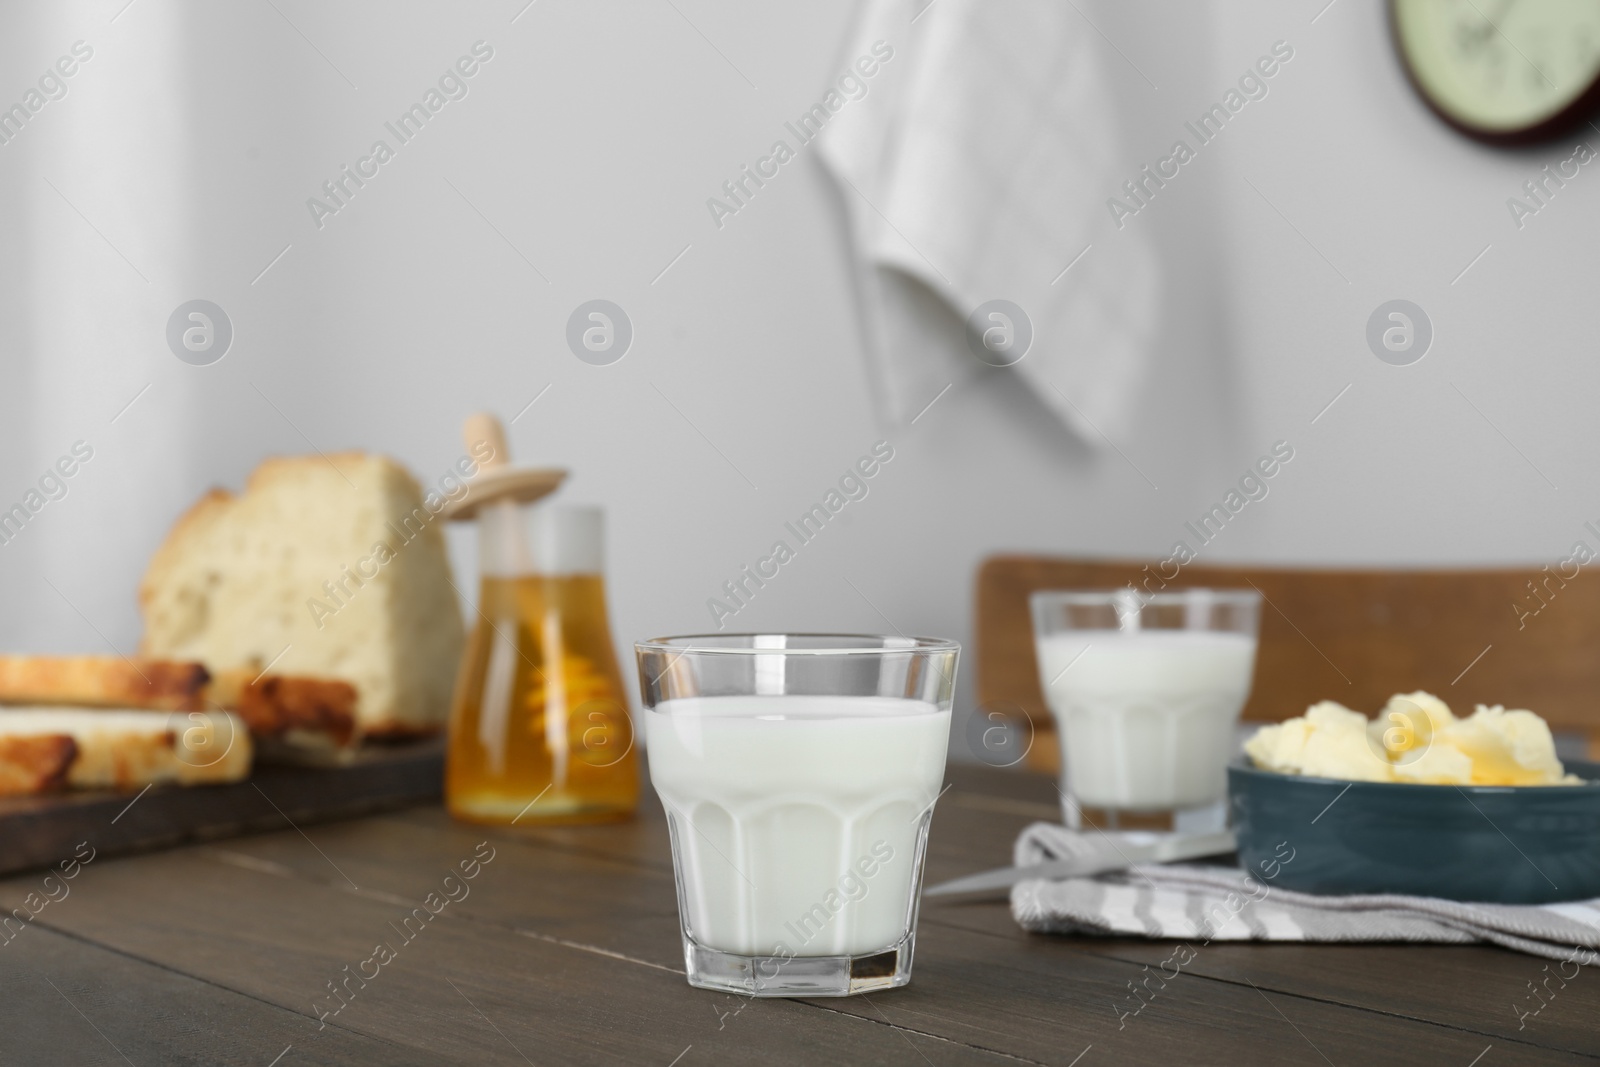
[[179, 163]]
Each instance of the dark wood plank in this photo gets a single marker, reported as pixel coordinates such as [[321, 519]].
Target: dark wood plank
[[568, 942], [604, 903], [1475, 988], [1469, 988], [977, 821], [1045, 993], [63, 1000], [280, 939], [978, 981], [1042, 999], [41, 831]]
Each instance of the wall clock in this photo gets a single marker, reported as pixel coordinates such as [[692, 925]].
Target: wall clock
[[1503, 71]]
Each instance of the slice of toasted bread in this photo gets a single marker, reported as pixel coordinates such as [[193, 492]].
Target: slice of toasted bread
[[34, 763], [275, 705], [317, 711], [167, 685], [122, 749]]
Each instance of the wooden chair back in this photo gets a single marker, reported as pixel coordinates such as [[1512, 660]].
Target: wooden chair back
[[1525, 639]]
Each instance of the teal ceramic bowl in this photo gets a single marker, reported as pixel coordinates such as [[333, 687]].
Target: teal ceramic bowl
[[1493, 844]]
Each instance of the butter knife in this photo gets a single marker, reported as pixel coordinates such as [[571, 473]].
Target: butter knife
[[1110, 858]]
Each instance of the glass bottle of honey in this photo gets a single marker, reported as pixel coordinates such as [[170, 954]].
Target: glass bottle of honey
[[540, 730]]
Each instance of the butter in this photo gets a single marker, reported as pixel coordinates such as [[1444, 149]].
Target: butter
[[1415, 738], [1508, 748], [1337, 746], [1329, 741], [1440, 763]]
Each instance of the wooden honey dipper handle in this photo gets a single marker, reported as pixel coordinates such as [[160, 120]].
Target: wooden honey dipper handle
[[485, 427], [497, 480]]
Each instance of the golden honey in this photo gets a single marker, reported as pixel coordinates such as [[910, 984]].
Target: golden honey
[[539, 728]]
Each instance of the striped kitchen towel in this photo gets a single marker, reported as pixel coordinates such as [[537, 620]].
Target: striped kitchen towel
[[1204, 903]]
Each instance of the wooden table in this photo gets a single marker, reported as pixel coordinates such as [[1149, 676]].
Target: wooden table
[[564, 950]]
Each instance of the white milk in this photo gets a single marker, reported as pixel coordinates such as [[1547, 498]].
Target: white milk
[[795, 819], [1146, 718]]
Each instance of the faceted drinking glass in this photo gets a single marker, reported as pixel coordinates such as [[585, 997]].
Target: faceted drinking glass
[[799, 774], [1146, 690]]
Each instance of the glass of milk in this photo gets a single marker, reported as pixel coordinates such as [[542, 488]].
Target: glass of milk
[[1146, 689], [799, 774]]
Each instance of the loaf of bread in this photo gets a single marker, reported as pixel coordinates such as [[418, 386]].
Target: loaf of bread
[[48, 748], [324, 567], [313, 712]]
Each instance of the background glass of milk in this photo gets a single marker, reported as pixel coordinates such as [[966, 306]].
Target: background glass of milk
[[1146, 689], [799, 774]]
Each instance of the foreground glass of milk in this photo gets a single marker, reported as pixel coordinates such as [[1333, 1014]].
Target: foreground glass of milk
[[799, 774], [1146, 689]]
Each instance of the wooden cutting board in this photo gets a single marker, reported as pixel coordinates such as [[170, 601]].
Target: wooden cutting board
[[43, 831]]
